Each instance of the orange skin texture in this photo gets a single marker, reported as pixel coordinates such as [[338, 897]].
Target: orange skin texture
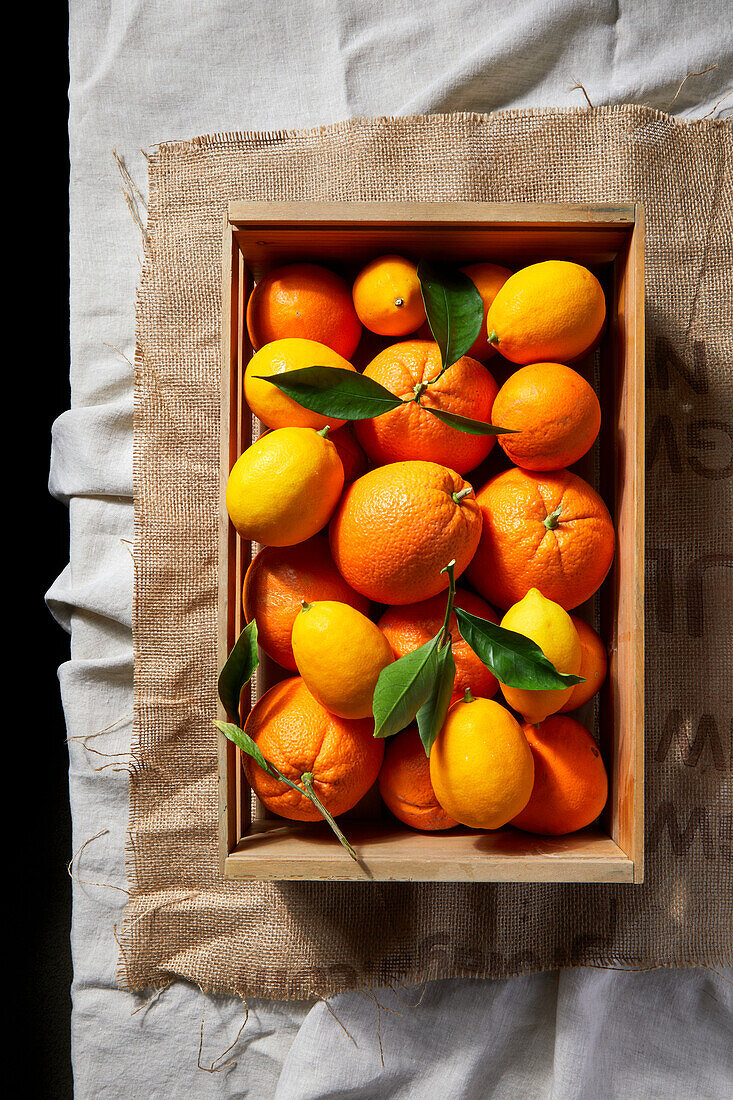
[[297, 735], [593, 666], [377, 289], [554, 410], [407, 628], [278, 579], [353, 459], [398, 526], [405, 787], [570, 781], [552, 311], [488, 280], [517, 551], [307, 301], [410, 432]]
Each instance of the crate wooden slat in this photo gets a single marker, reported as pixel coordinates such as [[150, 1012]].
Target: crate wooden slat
[[610, 239]]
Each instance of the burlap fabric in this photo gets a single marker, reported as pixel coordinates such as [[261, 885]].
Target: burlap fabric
[[296, 939]]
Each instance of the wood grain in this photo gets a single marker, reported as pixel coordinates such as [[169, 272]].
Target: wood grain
[[259, 237]]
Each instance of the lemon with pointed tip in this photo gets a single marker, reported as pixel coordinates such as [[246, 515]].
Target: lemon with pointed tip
[[285, 487], [551, 628], [340, 654]]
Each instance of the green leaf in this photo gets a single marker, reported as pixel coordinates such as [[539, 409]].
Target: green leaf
[[238, 670], [333, 391], [243, 741], [431, 716], [403, 687], [466, 424], [516, 661], [454, 309]]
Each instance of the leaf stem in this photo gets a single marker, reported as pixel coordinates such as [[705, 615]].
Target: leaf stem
[[445, 635], [307, 781], [458, 497]]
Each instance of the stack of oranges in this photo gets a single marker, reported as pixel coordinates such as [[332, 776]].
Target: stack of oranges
[[357, 523]]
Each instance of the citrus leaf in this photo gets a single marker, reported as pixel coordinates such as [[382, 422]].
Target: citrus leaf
[[403, 687], [431, 716], [454, 309], [466, 424], [516, 661], [244, 742], [238, 670], [333, 391]]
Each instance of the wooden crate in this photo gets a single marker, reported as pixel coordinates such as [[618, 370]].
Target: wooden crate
[[610, 240]]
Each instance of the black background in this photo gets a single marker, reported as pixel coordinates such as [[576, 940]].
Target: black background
[[43, 911]]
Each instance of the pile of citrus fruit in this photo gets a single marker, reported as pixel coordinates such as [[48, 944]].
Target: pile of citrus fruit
[[370, 495]]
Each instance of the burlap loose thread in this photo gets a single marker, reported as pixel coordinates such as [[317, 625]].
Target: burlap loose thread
[[293, 940]]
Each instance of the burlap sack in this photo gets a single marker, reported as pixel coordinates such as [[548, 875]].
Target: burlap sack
[[295, 939]]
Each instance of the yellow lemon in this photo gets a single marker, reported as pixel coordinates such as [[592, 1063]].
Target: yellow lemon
[[481, 765], [548, 312], [551, 628], [285, 487], [270, 404], [340, 654]]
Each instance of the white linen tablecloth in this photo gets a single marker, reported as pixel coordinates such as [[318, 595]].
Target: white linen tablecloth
[[144, 71]]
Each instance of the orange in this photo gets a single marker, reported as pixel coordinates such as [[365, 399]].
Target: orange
[[298, 735], [593, 666], [340, 654], [270, 404], [488, 280], [547, 531], [353, 459], [407, 628], [278, 579], [398, 526], [481, 765], [551, 311], [410, 432], [387, 296], [405, 787], [570, 782], [555, 412], [307, 301], [284, 488]]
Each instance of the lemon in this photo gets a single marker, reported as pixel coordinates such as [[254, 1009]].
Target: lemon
[[285, 487], [271, 405], [481, 765], [551, 628], [340, 654]]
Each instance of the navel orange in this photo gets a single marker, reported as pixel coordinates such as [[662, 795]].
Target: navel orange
[[398, 526], [593, 666], [548, 531], [488, 280], [296, 734], [405, 787], [307, 301], [555, 413], [410, 432], [410, 626], [570, 782]]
